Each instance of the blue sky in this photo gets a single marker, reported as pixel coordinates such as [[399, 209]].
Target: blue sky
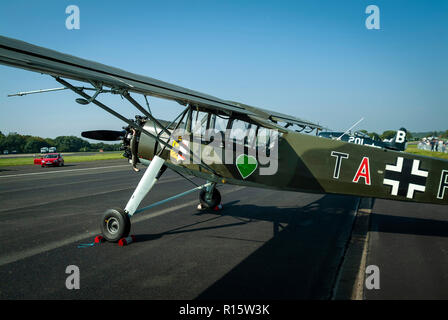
[[312, 59]]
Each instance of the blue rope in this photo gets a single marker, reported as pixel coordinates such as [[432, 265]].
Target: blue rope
[[86, 245]]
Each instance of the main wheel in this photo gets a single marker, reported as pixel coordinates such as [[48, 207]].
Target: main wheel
[[213, 201], [115, 225]]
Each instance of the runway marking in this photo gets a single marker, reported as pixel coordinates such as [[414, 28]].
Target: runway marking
[[49, 172], [37, 204], [60, 243], [170, 179], [349, 283]]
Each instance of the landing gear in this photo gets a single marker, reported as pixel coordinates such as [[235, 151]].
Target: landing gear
[[210, 198], [115, 225]]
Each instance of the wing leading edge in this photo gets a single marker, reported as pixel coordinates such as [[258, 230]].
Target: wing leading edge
[[30, 57], [23, 55]]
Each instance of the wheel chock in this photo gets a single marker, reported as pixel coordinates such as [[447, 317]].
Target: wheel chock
[[125, 241], [99, 239], [218, 207]]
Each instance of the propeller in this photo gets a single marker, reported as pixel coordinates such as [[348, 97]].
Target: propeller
[[104, 135]]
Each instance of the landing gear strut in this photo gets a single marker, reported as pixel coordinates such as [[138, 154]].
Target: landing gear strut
[[116, 223]]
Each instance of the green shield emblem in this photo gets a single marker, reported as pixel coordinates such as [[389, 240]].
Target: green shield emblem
[[246, 165]]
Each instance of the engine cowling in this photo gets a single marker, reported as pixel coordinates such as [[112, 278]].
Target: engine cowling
[[138, 145]]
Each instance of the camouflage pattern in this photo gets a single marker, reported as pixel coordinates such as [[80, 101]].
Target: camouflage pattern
[[309, 163]]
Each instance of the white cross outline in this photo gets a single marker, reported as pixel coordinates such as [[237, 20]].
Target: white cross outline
[[412, 187]]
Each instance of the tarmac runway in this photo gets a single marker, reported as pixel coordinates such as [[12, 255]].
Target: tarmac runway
[[264, 244], [408, 243]]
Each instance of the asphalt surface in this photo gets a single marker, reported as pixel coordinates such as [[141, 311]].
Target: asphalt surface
[[409, 245], [264, 244]]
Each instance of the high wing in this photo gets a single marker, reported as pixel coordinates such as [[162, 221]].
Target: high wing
[[262, 115], [34, 58], [23, 55]]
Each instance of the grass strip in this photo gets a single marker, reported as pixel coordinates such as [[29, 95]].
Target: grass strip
[[67, 159]]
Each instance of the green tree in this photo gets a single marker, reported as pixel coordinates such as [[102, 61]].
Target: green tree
[[374, 135], [14, 142], [50, 142], [33, 144], [70, 143], [444, 135], [2, 142], [388, 134]]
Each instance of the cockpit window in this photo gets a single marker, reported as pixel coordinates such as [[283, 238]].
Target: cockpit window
[[199, 122], [243, 132], [238, 131], [263, 137], [219, 123]]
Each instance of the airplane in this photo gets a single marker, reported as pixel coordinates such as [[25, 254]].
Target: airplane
[[398, 142], [226, 142]]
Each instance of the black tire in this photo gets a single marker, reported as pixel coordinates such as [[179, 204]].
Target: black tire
[[115, 225], [214, 200]]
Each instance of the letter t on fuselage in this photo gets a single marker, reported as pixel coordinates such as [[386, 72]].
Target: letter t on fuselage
[[339, 156]]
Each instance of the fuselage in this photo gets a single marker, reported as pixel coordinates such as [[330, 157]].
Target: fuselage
[[307, 163]]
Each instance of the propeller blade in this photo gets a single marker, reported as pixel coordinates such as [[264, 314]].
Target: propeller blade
[[104, 135]]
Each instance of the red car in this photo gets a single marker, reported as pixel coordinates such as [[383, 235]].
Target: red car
[[50, 159]]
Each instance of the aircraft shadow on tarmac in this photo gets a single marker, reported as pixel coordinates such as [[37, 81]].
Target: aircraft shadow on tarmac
[[300, 261], [406, 225]]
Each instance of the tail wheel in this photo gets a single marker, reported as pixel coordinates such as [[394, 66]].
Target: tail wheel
[[115, 225], [214, 200]]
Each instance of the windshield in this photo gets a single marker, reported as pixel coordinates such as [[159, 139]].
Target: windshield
[[51, 156]]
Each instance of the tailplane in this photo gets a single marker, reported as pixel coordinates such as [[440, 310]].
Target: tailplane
[[399, 141]]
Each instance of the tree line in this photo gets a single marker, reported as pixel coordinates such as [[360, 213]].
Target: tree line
[[31, 144], [389, 134]]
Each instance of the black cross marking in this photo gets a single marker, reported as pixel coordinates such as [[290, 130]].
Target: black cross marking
[[405, 177]]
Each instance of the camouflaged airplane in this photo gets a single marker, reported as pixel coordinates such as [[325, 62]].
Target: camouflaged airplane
[[277, 151], [398, 142]]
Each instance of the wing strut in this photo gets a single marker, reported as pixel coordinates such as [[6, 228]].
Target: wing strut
[[142, 110], [132, 124], [107, 109]]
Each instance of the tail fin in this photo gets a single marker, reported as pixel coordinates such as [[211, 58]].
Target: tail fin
[[399, 141]]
